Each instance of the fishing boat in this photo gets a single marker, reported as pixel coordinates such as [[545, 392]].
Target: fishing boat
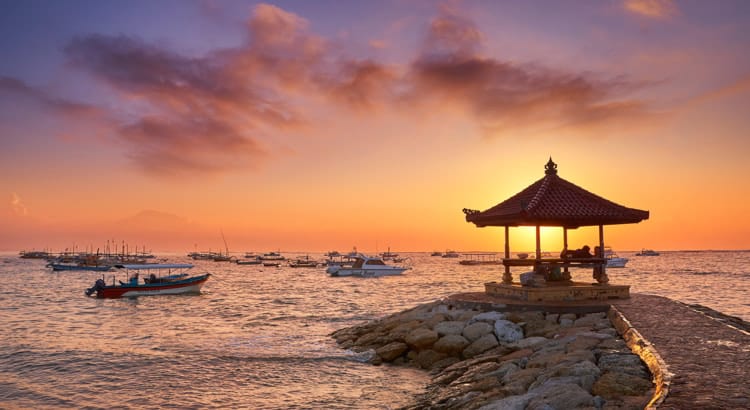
[[255, 261], [365, 266], [388, 254], [158, 279], [303, 262], [436, 253], [272, 256]]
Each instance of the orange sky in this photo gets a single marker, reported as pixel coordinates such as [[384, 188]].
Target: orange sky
[[293, 128]]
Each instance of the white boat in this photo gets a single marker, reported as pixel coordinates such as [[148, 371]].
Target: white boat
[[613, 260], [365, 266]]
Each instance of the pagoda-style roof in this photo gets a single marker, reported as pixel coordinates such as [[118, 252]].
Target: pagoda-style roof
[[553, 201]]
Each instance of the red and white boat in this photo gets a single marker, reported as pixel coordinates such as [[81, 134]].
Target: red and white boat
[[158, 279]]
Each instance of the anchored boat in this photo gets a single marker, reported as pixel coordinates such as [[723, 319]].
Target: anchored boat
[[158, 279]]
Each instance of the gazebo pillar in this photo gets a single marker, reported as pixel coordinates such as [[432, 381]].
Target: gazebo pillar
[[538, 244], [507, 277], [566, 272], [603, 278]]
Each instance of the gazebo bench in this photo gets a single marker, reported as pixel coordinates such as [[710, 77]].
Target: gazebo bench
[[556, 262]]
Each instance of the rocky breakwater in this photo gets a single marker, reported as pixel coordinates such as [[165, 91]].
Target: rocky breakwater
[[484, 359]]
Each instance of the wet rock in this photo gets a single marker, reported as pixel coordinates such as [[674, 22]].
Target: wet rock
[[427, 358], [391, 351], [421, 338], [623, 363]]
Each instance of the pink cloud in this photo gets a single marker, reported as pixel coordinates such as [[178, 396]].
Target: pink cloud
[[655, 9]]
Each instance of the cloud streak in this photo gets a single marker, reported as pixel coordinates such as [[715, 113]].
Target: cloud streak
[[221, 111], [654, 9]]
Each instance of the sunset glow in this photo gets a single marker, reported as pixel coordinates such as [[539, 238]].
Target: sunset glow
[[313, 126]]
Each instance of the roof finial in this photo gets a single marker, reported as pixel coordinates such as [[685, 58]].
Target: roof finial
[[550, 168]]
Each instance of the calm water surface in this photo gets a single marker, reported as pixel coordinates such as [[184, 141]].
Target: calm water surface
[[258, 337]]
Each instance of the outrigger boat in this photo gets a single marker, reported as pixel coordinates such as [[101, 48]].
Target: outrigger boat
[[164, 279]]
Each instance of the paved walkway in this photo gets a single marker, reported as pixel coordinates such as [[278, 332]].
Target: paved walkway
[[709, 359]]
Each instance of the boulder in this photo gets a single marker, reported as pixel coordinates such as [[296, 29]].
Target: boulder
[[529, 342], [476, 330], [507, 331], [489, 317], [480, 345], [427, 358], [391, 351], [615, 384], [623, 363], [559, 396], [452, 327], [584, 374], [451, 344], [421, 338]]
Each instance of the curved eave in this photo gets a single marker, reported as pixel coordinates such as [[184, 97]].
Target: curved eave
[[570, 223]]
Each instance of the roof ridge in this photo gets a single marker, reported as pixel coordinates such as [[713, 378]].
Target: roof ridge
[[540, 192]]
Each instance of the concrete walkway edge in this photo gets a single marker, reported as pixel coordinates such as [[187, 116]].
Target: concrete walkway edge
[[642, 347]]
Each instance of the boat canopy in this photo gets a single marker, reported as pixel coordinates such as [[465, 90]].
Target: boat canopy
[[156, 266]]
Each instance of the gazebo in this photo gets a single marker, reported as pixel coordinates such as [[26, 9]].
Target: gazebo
[[554, 202]]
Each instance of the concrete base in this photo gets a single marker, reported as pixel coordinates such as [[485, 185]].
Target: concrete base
[[558, 291]]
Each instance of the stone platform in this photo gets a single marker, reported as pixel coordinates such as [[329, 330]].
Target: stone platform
[[557, 291]]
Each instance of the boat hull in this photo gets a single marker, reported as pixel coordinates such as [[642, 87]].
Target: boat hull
[[62, 267], [366, 273], [616, 262], [185, 286]]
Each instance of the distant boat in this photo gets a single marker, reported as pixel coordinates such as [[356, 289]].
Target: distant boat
[[480, 259], [388, 254], [272, 256], [365, 266], [647, 252], [255, 261], [436, 253], [303, 262], [34, 254], [155, 283], [451, 254], [57, 267], [522, 255]]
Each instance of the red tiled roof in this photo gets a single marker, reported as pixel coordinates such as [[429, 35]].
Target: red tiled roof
[[553, 201]]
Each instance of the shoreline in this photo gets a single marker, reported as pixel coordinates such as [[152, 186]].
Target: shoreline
[[562, 353]]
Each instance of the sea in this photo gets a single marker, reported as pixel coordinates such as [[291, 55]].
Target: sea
[[258, 337]]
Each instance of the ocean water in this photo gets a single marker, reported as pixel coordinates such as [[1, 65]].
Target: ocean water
[[257, 337]]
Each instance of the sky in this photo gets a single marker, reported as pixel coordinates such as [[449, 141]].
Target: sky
[[321, 125]]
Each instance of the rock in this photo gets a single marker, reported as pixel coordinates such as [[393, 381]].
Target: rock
[[391, 351], [451, 344], [476, 330], [480, 345], [508, 403], [434, 320], [489, 317], [518, 382], [421, 338], [427, 358], [623, 363], [507, 331], [452, 327], [564, 322], [615, 384], [516, 355], [402, 330], [584, 374], [582, 343], [590, 319], [529, 342], [559, 396], [444, 363], [552, 317]]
